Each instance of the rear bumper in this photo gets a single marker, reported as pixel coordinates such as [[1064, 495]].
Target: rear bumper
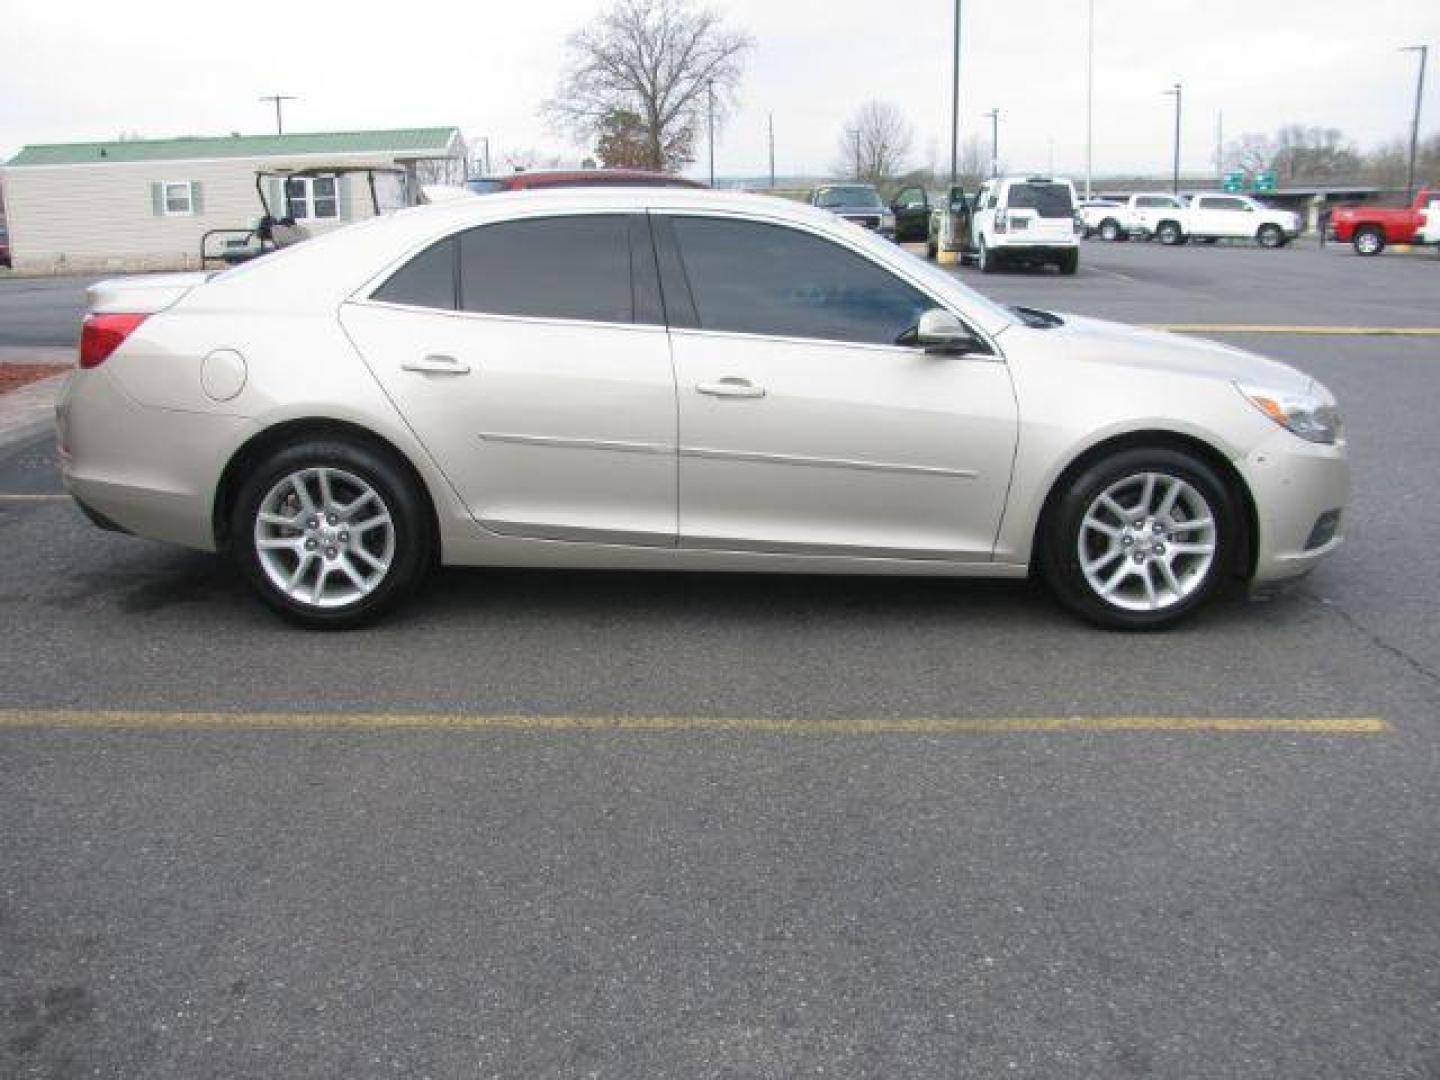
[[148, 471]]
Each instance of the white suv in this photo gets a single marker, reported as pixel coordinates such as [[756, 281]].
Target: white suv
[[1029, 219]]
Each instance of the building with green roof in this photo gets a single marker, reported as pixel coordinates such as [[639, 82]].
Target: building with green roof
[[145, 204]]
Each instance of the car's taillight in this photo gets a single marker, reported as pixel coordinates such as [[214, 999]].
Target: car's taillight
[[101, 335]]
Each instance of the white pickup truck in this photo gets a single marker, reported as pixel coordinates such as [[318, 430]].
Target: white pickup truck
[[1215, 216]]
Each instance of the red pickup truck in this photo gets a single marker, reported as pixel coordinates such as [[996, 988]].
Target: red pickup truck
[[1370, 228]]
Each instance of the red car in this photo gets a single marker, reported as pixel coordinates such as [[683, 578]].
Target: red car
[[1370, 228], [553, 178]]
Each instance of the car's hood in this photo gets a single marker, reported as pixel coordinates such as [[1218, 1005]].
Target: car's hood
[[1117, 343]]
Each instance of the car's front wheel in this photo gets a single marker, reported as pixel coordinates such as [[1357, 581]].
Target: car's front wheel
[[1140, 538], [330, 532], [1110, 229], [1169, 233]]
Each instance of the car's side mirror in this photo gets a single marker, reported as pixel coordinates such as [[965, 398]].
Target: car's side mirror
[[942, 334]]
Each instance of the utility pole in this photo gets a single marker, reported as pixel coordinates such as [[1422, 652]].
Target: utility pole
[[1176, 91], [485, 141], [955, 101], [1089, 103], [710, 124], [994, 115], [772, 150], [1424, 51], [1219, 147], [277, 99]]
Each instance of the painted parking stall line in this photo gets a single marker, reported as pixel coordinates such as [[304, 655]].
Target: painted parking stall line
[[139, 720], [1269, 328]]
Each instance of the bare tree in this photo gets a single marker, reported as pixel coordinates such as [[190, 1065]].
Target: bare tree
[[657, 60], [874, 144], [1296, 152]]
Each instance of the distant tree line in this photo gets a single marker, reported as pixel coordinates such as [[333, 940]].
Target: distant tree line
[[1299, 154]]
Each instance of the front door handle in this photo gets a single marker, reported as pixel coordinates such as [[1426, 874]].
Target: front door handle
[[435, 364], [730, 386]]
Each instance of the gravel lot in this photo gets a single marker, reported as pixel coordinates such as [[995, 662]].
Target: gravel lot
[[520, 901]]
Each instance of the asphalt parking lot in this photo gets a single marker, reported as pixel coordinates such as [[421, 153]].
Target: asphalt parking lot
[[706, 826]]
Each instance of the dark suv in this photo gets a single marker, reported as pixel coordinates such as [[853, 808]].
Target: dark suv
[[859, 203]]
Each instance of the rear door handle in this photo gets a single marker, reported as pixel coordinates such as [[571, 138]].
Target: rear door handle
[[435, 364], [731, 387]]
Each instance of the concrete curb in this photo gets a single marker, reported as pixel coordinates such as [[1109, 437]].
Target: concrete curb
[[29, 411]]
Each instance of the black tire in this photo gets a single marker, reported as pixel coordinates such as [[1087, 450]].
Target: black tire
[[985, 258], [1270, 236], [409, 518], [1110, 230], [1061, 539], [1169, 234], [1069, 262], [931, 251], [1368, 241]]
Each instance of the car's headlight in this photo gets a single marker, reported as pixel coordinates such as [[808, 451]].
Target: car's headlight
[[1312, 415]]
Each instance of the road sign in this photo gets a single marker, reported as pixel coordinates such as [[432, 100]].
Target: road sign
[[1265, 181], [1235, 181]]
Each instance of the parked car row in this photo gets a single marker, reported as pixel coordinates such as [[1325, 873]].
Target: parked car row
[[1177, 219]]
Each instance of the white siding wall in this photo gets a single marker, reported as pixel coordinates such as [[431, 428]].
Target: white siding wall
[[101, 217]]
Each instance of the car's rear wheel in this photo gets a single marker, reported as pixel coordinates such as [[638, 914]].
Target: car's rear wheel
[[1369, 241], [331, 533], [1110, 229], [1140, 538], [1169, 233], [1270, 236]]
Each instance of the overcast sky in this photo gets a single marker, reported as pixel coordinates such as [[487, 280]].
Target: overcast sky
[[76, 71]]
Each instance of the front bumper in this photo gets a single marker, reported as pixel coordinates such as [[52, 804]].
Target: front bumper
[[1299, 490]]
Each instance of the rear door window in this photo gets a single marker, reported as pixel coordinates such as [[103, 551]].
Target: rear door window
[[554, 267]]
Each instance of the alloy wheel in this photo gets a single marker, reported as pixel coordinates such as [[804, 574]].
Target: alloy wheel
[[324, 537], [1147, 542]]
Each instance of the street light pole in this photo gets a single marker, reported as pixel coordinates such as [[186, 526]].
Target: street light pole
[[994, 115], [1424, 51], [955, 101], [1176, 91], [772, 149], [277, 99], [1089, 103]]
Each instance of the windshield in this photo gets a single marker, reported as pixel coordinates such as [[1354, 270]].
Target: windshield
[[1049, 200], [856, 195]]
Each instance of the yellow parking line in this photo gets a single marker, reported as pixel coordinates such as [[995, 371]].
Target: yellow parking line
[[1269, 328], [16, 719]]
